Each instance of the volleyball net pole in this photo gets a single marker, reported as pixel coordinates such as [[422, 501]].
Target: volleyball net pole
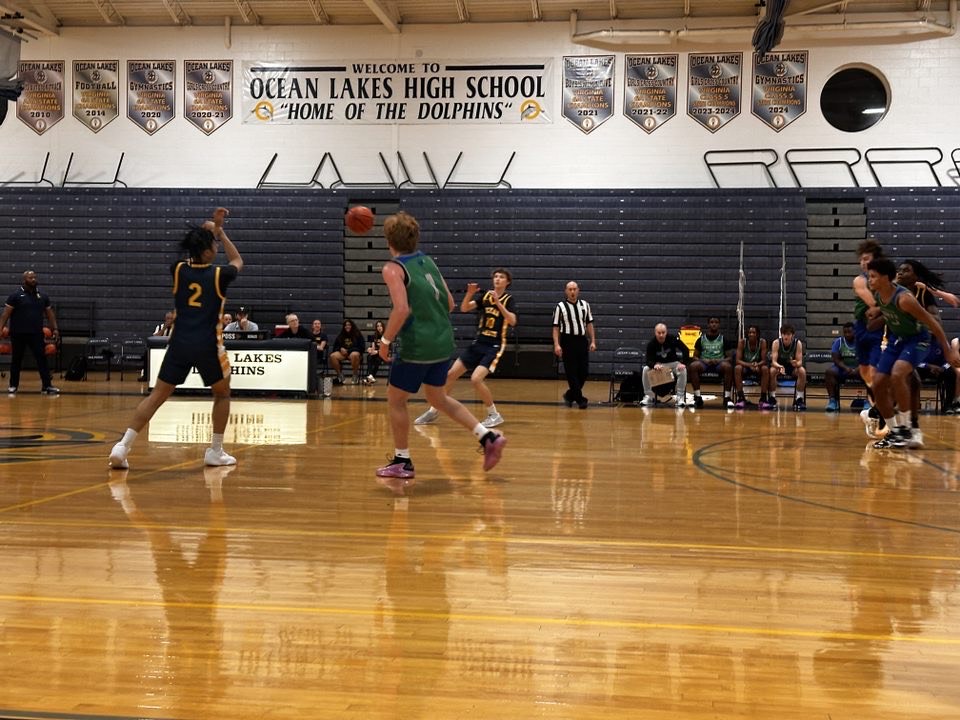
[[783, 285], [742, 282]]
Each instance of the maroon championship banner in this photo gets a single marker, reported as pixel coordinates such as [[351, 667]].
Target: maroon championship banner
[[650, 89], [40, 105], [96, 92], [780, 87], [713, 95], [151, 88], [208, 93], [588, 90]]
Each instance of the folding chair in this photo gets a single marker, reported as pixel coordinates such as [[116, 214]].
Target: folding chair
[[624, 362], [98, 353], [133, 355]]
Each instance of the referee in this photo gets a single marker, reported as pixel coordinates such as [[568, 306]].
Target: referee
[[573, 341]]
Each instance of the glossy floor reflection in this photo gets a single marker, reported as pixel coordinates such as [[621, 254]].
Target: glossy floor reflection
[[619, 562]]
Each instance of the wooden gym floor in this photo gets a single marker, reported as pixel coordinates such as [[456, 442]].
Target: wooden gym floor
[[618, 563]]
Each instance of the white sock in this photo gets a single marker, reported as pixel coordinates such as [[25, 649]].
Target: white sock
[[479, 431], [216, 441], [491, 409], [404, 453], [799, 396], [891, 422], [128, 437], [903, 418]]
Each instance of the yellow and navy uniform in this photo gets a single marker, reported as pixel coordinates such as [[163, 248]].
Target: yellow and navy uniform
[[200, 293], [491, 325]]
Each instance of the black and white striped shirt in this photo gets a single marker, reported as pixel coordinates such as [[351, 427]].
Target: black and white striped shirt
[[572, 318]]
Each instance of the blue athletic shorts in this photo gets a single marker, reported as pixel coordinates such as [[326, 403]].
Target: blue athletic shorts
[[410, 376], [179, 361], [913, 350], [480, 353], [867, 343]]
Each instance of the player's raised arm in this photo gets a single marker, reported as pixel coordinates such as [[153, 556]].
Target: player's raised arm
[[233, 255]]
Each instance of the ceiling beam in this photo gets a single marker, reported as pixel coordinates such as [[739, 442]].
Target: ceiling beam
[[109, 13], [383, 15], [28, 19], [177, 13], [316, 7], [462, 12], [247, 13]]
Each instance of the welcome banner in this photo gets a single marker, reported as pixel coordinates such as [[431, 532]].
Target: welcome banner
[[398, 92]]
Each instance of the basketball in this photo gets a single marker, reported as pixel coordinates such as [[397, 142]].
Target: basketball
[[359, 219]]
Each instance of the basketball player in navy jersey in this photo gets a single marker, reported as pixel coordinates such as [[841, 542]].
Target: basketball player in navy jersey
[[200, 292], [496, 313]]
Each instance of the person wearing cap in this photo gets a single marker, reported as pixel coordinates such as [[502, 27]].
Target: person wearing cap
[[242, 323]]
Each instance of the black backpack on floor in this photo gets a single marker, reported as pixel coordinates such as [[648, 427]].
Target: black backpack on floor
[[631, 388], [77, 369]]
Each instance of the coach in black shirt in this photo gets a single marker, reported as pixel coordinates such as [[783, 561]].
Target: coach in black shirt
[[25, 310], [573, 341]]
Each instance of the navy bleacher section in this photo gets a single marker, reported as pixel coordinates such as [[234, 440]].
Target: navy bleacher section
[[113, 247], [641, 256], [922, 224]]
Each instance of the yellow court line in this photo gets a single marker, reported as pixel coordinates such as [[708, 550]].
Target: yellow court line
[[500, 619], [504, 539], [138, 476]]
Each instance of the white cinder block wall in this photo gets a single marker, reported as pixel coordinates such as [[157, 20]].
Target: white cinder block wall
[[924, 79]]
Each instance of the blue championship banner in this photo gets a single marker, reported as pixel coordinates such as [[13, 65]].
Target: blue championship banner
[[713, 97], [650, 89], [96, 92], [398, 92], [780, 87], [40, 105], [588, 90]]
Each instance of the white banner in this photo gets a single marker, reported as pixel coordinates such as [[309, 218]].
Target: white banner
[[263, 369], [399, 92]]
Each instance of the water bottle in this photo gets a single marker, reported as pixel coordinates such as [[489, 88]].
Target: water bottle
[[327, 386]]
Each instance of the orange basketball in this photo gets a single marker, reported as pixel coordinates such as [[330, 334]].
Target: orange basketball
[[359, 219]]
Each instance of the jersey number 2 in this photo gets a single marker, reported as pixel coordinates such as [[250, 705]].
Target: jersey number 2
[[196, 292]]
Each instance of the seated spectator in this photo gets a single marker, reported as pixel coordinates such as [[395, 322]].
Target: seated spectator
[[347, 346], [936, 368], [373, 353], [786, 361], [666, 357], [845, 366], [243, 323], [166, 327], [295, 329], [320, 338], [711, 354], [225, 320], [950, 378], [751, 364]]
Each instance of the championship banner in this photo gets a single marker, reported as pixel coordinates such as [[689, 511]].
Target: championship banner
[[151, 85], [208, 93], [713, 96], [398, 92], [40, 105], [588, 90], [650, 89], [96, 92], [780, 87]]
